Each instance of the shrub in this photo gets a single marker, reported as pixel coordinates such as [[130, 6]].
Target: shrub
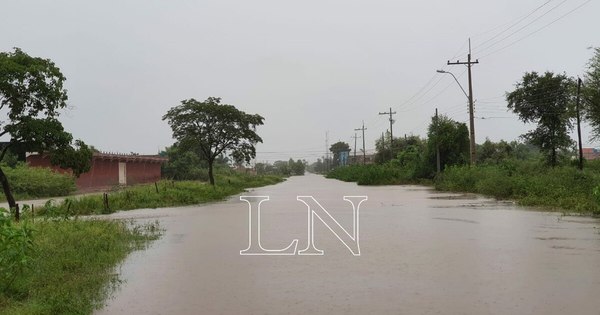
[[35, 182]]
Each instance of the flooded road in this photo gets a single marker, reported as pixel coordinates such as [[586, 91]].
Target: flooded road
[[422, 252]]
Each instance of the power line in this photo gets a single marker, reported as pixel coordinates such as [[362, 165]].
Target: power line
[[518, 20], [518, 30], [539, 29]]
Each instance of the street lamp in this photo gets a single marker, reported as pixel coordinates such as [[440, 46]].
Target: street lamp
[[471, 116], [455, 79]]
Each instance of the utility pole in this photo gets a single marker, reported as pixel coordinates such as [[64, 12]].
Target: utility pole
[[382, 146], [471, 115], [355, 137], [363, 138], [437, 142], [579, 124], [327, 151], [391, 132]]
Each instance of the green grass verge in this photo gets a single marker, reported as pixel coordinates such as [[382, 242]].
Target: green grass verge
[[374, 174], [161, 194], [70, 268], [563, 188]]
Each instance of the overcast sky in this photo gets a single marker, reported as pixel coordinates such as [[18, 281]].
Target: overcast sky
[[307, 66]]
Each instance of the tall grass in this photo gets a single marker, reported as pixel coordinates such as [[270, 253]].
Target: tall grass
[[375, 174], [71, 268], [530, 183], [157, 195]]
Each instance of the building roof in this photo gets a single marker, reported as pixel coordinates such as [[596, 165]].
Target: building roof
[[121, 157], [130, 157]]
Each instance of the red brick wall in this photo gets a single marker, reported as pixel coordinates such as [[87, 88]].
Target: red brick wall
[[102, 174], [142, 172], [105, 172]]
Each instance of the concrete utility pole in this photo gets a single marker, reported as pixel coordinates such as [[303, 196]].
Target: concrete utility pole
[[437, 142], [363, 138], [470, 96], [355, 137], [579, 125], [391, 132]]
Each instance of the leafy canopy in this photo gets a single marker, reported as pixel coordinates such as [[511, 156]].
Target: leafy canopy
[[31, 95], [546, 100], [213, 128], [591, 92], [452, 137]]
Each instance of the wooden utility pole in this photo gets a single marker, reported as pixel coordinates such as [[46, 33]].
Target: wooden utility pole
[[363, 138], [471, 114], [391, 132], [326, 151], [437, 142], [579, 124], [355, 137], [383, 146]]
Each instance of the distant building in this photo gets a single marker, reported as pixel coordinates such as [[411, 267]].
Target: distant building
[[591, 153], [110, 169]]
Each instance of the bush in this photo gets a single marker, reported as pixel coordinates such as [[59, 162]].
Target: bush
[[35, 182]]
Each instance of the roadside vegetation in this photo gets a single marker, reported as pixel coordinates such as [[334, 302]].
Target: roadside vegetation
[[31, 182], [63, 266], [542, 169], [165, 193]]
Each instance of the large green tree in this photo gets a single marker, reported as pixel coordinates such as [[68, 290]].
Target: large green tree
[[31, 95], [547, 101], [214, 129], [591, 92]]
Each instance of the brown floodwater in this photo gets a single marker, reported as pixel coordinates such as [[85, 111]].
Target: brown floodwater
[[422, 252]]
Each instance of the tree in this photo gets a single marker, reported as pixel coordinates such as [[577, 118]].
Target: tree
[[336, 149], [400, 144], [297, 167], [452, 138], [183, 164], [591, 92], [77, 158], [282, 168], [494, 153], [214, 128], [547, 101], [32, 93]]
